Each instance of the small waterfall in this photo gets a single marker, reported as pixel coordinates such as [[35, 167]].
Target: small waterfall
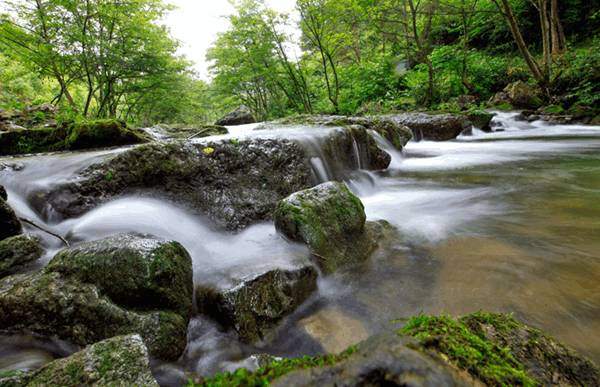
[[357, 155], [387, 146]]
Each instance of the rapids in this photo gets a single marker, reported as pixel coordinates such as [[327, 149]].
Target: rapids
[[504, 221]]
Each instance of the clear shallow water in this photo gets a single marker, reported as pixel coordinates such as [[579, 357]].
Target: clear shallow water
[[506, 221]]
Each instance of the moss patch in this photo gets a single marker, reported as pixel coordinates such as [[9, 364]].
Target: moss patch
[[267, 374], [471, 350]]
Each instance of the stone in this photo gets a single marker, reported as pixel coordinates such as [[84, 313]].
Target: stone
[[240, 116], [3, 193], [433, 127], [9, 222], [134, 270], [522, 95], [256, 305], [118, 361], [330, 219], [481, 120], [18, 251]]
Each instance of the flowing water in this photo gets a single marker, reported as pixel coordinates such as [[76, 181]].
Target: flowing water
[[506, 221]]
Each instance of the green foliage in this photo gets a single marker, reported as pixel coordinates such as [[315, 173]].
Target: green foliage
[[266, 374], [471, 350]]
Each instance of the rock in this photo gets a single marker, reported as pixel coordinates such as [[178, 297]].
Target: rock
[[465, 101], [240, 116], [133, 270], [169, 132], [70, 136], [17, 251], [433, 127], [256, 305], [9, 222], [522, 95], [3, 194], [331, 221], [385, 359], [235, 184], [481, 119], [353, 148], [69, 300], [118, 361]]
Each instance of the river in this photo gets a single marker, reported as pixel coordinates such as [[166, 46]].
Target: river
[[507, 221]]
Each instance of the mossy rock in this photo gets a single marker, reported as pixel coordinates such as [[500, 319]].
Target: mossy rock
[[32, 141], [118, 361], [17, 251], [133, 270], [523, 95], [553, 109], [9, 222], [481, 119], [51, 305], [101, 133], [498, 350], [256, 305], [330, 219]]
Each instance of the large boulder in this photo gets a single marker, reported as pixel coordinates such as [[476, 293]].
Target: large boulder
[[18, 251], [255, 305], [132, 270], [234, 183], [9, 222], [240, 116], [118, 361], [67, 299], [433, 127], [481, 119], [523, 95], [331, 221]]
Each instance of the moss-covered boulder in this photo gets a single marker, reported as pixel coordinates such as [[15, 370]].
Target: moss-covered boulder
[[76, 135], [433, 127], [256, 305], [49, 304], [481, 119], [523, 95], [100, 134], [240, 116], [118, 361], [17, 251], [133, 270], [9, 222], [331, 221], [499, 350]]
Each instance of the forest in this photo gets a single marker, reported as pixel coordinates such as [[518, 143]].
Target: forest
[[101, 59]]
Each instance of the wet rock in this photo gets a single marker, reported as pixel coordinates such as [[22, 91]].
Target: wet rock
[[18, 251], [434, 127], [9, 222], [133, 270], [79, 297], [240, 116], [3, 194], [331, 221], [256, 305], [523, 95], [169, 132], [234, 183], [353, 148], [117, 361], [481, 119], [385, 359]]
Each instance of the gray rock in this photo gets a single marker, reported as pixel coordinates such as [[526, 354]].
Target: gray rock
[[434, 127], [385, 359], [17, 251], [331, 221], [3, 194], [133, 270], [118, 361], [256, 305], [9, 222], [239, 116]]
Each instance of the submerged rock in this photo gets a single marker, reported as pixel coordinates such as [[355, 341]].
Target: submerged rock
[[79, 297], [433, 127], [118, 361], [17, 251], [9, 222], [234, 183], [133, 270], [256, 305], [240, 116], [331, 221]]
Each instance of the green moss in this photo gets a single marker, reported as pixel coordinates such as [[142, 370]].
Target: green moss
[[505, 106], [554, 109], [469, 349], [278, 368]]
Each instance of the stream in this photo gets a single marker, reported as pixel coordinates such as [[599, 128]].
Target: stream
[[507, 221]]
